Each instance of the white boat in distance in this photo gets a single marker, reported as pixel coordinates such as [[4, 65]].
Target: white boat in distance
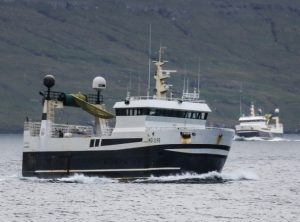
[[263, 126], [157, 135]]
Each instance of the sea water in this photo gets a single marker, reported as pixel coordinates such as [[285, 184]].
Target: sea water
[[260, 182]]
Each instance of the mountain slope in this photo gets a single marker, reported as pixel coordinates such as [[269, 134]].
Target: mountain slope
[[250, 43]]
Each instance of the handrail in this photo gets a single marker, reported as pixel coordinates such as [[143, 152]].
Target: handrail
[[58, 130], [166, 99], [33, 128]]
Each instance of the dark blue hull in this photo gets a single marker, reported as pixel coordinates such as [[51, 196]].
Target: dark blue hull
[[255, 133], [248, 134], [135, 162]]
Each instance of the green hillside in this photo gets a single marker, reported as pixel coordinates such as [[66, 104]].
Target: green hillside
[[254, 43]]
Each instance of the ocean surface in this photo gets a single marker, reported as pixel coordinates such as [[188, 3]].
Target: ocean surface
[[260, 182]]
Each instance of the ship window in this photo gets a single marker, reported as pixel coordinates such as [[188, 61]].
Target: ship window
[[127, 112], [139, 112], [158, 112], [152, 112], [146, 111], [204, 116], [97, 142], [194, 115], [92, 143], [171, 113], [247, 121], [134, 112], [188, 115], [174, 113], [121, 112], [161, 112]]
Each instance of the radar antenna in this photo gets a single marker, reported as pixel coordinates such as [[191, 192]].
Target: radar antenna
[[49, 82], [99, 83]]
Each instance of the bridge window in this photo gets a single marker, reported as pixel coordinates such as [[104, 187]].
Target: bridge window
[[92, 142], [161, 112], [121, 112]]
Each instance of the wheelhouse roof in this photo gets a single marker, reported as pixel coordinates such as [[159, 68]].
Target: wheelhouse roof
[[164, 104], [252, 118]]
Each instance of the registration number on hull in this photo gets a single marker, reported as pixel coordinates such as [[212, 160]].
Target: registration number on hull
[[154, 140]]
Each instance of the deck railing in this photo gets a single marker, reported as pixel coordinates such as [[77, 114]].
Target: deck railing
[[60, 130], [33, 128], [185, 99]]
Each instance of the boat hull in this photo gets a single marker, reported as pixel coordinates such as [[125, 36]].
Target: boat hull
[[257, 133], [158, 160]]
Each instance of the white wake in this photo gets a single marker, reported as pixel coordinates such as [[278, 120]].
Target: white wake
[[212, 177], [76, 178], [80, 178]]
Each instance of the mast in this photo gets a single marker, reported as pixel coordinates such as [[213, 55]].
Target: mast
[[48, 112], [198, 78], [252, 110], [149, 62], [161, 76]]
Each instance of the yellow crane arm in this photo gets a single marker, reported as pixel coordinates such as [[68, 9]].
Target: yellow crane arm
[[91, 108]]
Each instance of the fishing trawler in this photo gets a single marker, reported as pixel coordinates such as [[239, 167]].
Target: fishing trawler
[[264, 126], [153, 135]]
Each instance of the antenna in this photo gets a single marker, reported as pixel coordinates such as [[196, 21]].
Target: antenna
[[198, 84], [129, 85], [186, 80], [183, 90], [130, 81], [139, 84], [160, 53], [149, 55], [241, 90], [49, 82], [187, 85], [99, 83], [127, 92]]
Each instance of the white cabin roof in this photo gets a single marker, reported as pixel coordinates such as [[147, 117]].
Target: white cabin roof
[[252, 118], [164, 104]]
